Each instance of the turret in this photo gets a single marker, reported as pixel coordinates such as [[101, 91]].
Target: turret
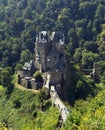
[[42, 46]]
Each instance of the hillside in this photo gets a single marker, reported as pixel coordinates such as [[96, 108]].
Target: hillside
[[88, 114], [83, 24], [22, 110]]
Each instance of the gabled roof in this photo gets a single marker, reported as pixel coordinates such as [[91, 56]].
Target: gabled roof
[[27, 66]]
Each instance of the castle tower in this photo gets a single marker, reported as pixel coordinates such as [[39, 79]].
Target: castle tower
[[42, 47], [59, 40]]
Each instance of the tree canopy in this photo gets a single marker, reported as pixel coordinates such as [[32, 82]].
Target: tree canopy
[[82, 23]]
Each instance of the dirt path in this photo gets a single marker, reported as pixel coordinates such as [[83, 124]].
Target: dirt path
[[25, 89], [56, 100]]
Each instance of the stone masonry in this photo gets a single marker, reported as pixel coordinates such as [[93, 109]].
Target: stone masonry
[[48, 57]]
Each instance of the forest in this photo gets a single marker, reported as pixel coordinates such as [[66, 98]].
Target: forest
[[83, 25], [81, 21]]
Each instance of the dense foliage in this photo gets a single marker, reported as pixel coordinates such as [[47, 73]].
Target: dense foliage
[[82, 22], [6, 76], [88, 114], [80, 86], [22, 110], [38, 77]]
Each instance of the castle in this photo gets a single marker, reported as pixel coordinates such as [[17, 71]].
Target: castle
[[49, 57]]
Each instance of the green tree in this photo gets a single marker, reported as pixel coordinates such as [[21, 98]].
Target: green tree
[[19, 24], [87, 9], [73, 39], [91, 46], [18, 67], [80, 89], [103, 78], [26, 55], [6, 77], [77, 55], [37, 75], [41, 97], [88, 58]]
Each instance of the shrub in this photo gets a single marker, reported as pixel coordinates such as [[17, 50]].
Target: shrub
[[80, 89], [37, 75], [16, 103]]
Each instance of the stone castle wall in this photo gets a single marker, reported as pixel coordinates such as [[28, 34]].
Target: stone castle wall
[[49, 51], [42, 49], [57, 76], [29, 83]]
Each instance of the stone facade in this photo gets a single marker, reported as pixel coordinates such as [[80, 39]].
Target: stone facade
[[48, 50], [25, 76], [29, 83], [28, 69], [49, 57]]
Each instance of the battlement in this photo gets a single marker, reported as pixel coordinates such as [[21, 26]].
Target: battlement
[[42, 37], [46, 37]]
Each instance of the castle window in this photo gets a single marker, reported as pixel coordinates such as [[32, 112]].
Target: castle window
[[41, 35], [48, 58], [61, 56]]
